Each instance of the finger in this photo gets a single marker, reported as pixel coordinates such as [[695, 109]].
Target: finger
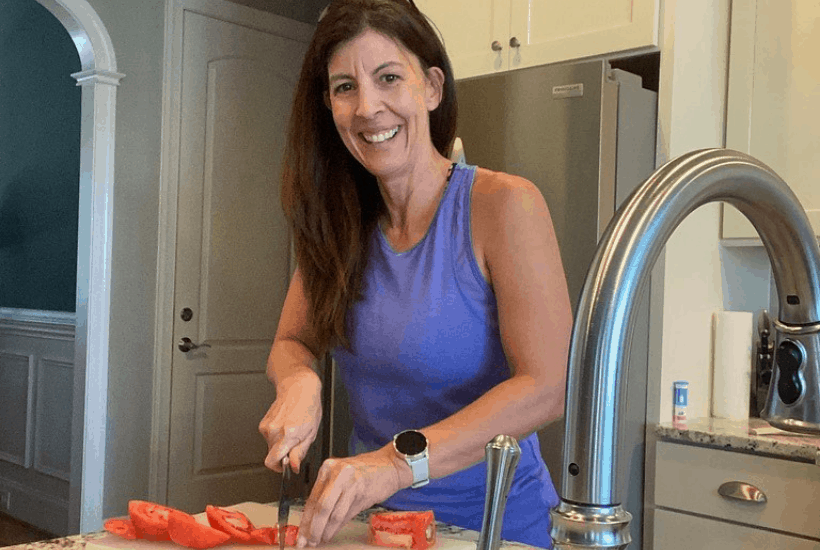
[[299, 452], [287, 440], [343, 510], [321, 501], [272, 461]]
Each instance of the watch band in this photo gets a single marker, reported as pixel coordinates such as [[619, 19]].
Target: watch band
[[420, 466], [419, 460]]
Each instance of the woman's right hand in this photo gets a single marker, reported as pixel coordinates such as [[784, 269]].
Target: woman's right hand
[[292, 422]]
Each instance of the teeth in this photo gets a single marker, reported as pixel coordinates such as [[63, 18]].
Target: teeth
[[384, 136]]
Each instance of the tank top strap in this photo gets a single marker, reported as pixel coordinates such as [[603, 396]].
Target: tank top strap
[[456, 219]]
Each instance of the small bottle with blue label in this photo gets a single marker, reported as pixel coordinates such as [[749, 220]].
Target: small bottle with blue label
[[681, 402]]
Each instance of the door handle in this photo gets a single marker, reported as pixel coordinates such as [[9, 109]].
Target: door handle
[[185, 345]]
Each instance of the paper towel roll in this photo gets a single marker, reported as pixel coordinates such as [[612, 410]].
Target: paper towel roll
[[732, 365]]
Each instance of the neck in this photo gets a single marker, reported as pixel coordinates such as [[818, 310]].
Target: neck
[[412, 201]]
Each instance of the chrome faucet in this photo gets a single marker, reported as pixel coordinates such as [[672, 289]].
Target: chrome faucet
[[502, 454], [590, 514]]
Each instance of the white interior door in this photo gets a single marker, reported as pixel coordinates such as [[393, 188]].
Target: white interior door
[[233, 258]]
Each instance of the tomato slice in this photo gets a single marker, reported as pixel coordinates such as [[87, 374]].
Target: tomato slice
[[150, 519], [411, 530], [291, 533], [230, 521], [270, 535], [184, 529], [122, 527], [265, 535]]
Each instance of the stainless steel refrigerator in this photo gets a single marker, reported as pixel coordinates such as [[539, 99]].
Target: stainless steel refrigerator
[[584, 133]]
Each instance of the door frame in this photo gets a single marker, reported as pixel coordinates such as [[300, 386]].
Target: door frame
[[169, 201], [99, 80]]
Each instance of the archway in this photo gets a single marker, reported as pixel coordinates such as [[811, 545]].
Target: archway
[[99, 80]]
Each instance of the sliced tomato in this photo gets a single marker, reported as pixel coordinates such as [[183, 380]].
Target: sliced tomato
[[150, 519], [122, 527], [411, 530], [265, 535], [184, 529], [291, 533], [230, 521]]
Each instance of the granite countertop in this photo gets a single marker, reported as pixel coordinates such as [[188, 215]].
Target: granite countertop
[[78, 542], [751, 436]]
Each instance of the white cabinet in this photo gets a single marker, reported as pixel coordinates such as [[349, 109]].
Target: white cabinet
[[479, 34], [689, 512], [774, 98]]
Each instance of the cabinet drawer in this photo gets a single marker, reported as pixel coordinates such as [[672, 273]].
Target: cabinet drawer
[[678, 531], [687, 478]]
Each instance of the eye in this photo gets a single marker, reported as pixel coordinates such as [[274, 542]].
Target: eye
[[342, 88], [390, 77]]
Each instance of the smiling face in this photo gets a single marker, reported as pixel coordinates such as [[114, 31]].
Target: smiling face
[[381, 98]]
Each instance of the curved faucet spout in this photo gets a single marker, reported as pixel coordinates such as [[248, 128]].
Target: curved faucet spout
[[625, 256]]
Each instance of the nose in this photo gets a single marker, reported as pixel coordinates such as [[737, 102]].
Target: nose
[[369, 101]]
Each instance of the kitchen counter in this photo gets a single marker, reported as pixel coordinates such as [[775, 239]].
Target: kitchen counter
[[753, 436], [78, 542]]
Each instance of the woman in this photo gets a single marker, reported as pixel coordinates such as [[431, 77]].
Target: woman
[[438, 288]]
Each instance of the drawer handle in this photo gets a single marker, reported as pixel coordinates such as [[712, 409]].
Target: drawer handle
[[739, 490]]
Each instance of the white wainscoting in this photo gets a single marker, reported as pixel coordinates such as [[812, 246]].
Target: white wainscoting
[[36, 385]]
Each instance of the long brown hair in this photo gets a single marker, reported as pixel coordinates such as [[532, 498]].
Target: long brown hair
[[331, 202]]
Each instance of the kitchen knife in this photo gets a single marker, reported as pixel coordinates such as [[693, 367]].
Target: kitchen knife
[[284, 502]]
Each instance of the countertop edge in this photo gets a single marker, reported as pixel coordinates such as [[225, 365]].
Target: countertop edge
[[753, 435]]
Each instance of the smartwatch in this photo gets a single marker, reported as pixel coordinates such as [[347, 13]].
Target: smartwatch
[[411, 445]]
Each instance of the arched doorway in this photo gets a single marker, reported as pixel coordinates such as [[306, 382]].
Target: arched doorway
[[99, 79]]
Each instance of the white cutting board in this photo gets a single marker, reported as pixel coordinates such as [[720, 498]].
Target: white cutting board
[[353, 535]]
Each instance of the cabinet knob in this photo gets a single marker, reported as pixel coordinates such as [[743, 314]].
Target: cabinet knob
[[496, 46], [514, 42], [739, 490]]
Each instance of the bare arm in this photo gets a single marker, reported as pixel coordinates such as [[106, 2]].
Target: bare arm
[[292, 422]]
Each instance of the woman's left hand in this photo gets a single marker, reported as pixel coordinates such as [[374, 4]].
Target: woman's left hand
[[344, 487]]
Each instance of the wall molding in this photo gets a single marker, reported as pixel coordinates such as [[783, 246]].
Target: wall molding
[[28, 323]]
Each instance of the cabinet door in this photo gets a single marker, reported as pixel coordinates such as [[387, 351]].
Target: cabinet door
[[469, 28], [551, 31], [774, 93], [674, 531]]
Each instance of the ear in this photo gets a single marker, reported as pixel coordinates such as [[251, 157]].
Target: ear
[[326, 97], [435, 88]]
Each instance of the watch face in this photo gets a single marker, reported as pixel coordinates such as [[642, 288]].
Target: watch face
[[411, 442]]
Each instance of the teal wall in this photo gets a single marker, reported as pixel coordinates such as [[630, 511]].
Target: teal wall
[[39, 159]]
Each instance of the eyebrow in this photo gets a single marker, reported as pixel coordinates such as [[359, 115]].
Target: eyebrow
[[344, 76]]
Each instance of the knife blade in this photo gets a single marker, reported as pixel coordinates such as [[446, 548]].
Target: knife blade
[[284, 502]]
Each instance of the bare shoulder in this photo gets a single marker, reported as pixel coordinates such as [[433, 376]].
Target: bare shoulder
[[497, 196], [507, 211]]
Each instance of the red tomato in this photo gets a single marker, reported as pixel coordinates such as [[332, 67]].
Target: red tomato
[[411, 530], [233, 522], [184, 529], [291, 532], [150, 519], [270, 535], [122, 527], [265, 535]]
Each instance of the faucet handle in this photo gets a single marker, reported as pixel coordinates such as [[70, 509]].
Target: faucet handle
[[502, 454]]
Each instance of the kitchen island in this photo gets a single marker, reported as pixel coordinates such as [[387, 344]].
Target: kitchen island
[[79, 542]]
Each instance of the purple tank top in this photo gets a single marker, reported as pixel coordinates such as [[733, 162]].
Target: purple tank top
[[425, 343]]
